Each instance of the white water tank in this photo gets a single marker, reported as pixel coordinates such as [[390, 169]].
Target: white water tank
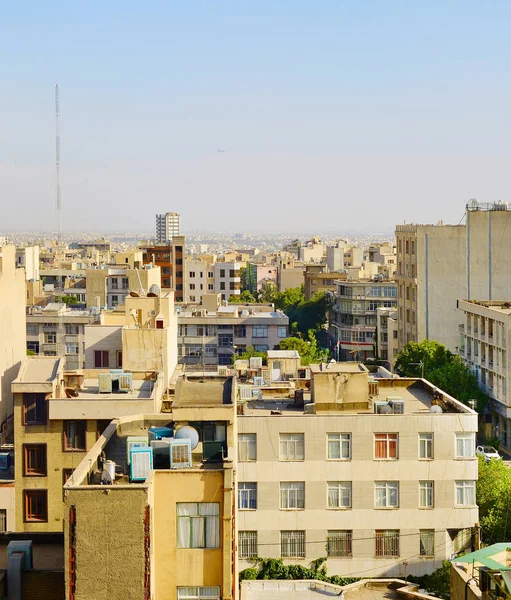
[[109, 467]]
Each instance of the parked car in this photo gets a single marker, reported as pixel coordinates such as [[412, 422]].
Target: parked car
[[488, 452]]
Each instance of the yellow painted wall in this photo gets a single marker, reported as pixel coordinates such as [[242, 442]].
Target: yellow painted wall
[[184, 567]]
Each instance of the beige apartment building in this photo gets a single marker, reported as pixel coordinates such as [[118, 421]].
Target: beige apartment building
[[13, 347], [387, 330], [484, 337], [438, 264], [379, 474], [213, 334], [55, 330], [59, 414], [165, 525], [107, 287]]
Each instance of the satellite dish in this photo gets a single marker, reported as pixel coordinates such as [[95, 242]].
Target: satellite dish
[[386, 409], [188, 433], [134, 295], [436, 409], [154, 289]]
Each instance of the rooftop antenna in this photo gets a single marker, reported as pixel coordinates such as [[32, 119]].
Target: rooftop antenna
[[60, 284]]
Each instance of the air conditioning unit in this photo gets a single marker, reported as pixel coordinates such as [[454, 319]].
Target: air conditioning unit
[[135, 441], [158, 433], [126, 382], [398, 407], [258, 381], [21, 546], [180, 454], [141, 462], [223, 371], [160, 447], [105, 383], [245, 392], [380, 407], [256, 362]]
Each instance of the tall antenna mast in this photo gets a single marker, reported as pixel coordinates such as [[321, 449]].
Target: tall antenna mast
[[57, 160]]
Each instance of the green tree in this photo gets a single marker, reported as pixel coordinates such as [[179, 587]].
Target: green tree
[[494, 500], [432, 355], [309, 350], [269, 292], [437, 583], [67, 299], [248, 353], [244, 298]]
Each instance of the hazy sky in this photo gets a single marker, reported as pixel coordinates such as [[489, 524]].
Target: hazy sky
[[334, 115]]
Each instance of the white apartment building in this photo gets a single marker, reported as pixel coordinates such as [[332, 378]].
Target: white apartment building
[[213, 336], [168, 225], [379, 475], [200, 279], [352, 318], [438, 264], [484, 336]]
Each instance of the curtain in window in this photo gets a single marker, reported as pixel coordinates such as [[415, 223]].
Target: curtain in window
[[334, 448], [333, 496], [211, 513], [380, 445]]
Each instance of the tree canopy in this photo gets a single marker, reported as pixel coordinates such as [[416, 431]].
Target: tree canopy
[[309, 350], [248, 353], [245, 297], [494, 500], [442, 368]]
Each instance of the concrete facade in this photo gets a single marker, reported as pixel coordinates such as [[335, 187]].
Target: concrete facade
[[439, 264], [13, 345]]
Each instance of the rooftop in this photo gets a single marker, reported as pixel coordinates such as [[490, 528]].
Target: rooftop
[[339, 367], [141, 389], [203, 390], [501, 306], [39, 369]]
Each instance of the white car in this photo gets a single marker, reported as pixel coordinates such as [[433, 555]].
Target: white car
[[488, 452]]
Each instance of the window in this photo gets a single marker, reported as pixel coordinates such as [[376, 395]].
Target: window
[[247, 496], [427, 542], [72, 329], [3, 520], [386, 494], [74, 435], [339, 543], [387, 543], [33, 346], [222, 285], [260, 331], [260, 347], [247, 544], [426, 494], [210, 287], [211, 592], [198, 525], [385, 446], [292, 544], [36, 505], [192, 286], [339, 494], [240, 331], [50, 338], [115, 283], [465, 445], [32, 329], [292, 446], [282, 332], [34, 409], [292, 494], [71, 348], [425, 446], [210, 274], [191, 274], [247, 446], [339, 446], [34, 459], [119, 359], [465, 493], [101, 360]]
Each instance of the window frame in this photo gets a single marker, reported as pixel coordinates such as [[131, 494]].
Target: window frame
[[462, 484], [427, 487], [247, 441], [198, 595], [431, 542], [294, 494], [292, 442], [380, 536], [386, 443], [40, 402], [66, 436], [389, 487], [290, 542], [335, 538], [340, 487], [426, 443], [249, 544], [34, 493], [464, 437], [248, 491], [342, 442], [203, 518], [260, 331], [43, 449]]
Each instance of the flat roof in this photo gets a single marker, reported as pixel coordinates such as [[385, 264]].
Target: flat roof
[[38, 369], [142, 389], [501, 306], [203, 391], [283, 354], [339, 367]]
